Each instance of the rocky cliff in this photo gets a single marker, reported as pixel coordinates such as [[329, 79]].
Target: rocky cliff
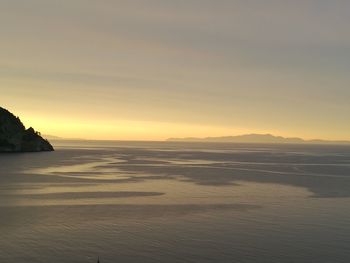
[[14, 137]]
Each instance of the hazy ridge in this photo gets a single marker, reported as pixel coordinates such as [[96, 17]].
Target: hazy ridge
[[257, 138]]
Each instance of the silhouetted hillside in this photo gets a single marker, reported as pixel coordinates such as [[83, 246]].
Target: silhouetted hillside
[[14, 137]]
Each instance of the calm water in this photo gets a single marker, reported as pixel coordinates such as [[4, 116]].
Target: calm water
[[175, 202]]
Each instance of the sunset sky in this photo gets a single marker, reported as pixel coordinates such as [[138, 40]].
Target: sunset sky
[[153, 69]]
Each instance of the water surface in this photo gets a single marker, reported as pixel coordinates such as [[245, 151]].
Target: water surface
[[175, 202]]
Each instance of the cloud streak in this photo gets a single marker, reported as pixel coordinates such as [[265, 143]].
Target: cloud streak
[[271, 65]]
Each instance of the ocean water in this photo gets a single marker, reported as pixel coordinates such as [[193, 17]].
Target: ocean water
[[175, 202]]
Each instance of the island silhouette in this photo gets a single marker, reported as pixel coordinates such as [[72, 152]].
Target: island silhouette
[[256, 138], [14, 137]]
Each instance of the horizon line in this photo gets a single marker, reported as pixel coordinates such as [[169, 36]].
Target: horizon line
[[198, 139]]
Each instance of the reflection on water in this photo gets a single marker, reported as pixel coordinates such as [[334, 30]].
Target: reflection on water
[[174, 202]]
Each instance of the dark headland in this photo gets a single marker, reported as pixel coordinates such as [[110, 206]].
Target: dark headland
[[14, 137]]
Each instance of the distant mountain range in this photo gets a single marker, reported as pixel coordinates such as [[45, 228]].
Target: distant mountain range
[[56, 138], [256, 138], [52, 137]]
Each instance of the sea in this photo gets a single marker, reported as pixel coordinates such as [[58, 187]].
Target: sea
[[176, 202]]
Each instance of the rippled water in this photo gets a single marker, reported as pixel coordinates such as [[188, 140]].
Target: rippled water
[[175, 202]]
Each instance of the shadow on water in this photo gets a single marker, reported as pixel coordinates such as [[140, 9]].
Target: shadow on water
[[144, 223], [51, 215], [323, 170]]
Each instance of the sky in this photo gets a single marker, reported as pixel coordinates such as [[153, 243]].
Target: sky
[[153, 69]]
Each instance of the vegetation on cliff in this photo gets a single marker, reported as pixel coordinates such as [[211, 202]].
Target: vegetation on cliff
[[14, 137]]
